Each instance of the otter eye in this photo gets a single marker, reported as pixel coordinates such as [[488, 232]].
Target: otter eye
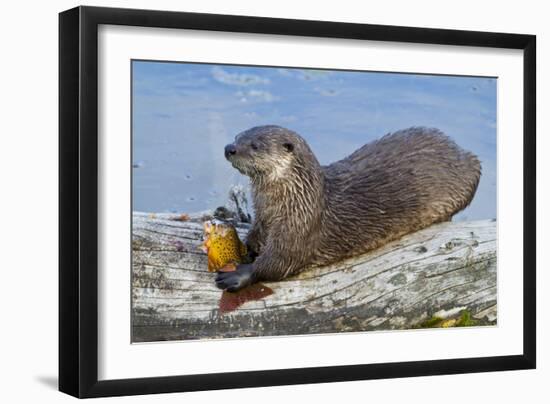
[[288, 146], [254, 146]]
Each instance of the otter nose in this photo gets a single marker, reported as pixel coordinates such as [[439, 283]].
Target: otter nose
[[230, 150]]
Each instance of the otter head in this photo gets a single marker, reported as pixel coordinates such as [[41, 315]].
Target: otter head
[[267, 152]]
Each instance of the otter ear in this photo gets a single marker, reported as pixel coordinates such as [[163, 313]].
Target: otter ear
[[288, 146]]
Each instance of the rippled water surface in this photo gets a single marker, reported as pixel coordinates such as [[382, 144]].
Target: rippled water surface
[[184, 114]]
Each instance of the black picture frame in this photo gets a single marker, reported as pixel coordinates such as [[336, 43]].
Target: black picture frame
[[78, 196]]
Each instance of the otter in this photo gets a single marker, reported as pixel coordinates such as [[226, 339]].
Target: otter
[[307, 214]]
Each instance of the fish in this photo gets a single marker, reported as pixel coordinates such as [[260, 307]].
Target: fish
[[225, 250], [223, 246]]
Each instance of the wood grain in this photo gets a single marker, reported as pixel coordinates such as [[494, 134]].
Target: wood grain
[[437, 272]]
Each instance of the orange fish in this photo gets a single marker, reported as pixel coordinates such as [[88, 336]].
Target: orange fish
[[222, 245]]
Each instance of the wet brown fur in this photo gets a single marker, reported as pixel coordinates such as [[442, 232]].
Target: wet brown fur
[[308, 214]]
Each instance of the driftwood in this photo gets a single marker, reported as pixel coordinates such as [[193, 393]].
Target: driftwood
[[442, 272]]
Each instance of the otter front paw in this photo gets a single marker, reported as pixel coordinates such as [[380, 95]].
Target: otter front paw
[[236, 280]]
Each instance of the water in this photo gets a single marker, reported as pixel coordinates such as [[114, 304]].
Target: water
[[184, 114]]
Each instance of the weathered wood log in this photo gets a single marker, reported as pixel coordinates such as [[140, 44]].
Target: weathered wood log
[[441, 272]]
